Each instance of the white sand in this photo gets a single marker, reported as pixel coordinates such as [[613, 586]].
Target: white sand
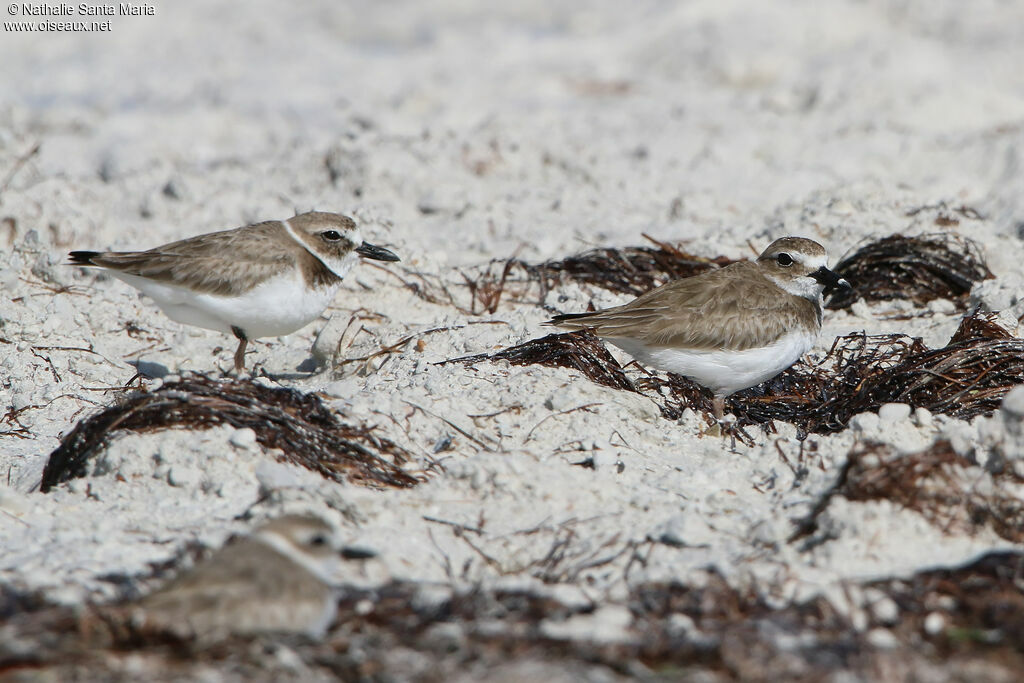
[[460, 132]]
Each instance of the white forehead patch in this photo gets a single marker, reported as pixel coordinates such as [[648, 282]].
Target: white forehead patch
[[812, 262]]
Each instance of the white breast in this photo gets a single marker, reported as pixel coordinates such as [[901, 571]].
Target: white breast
[[279, 306], [724, 372]]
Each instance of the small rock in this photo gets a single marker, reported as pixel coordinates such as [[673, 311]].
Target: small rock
[[243, 438], [680, 624], [604, 459], [893, 412], [935, 623], [996, 295], [21, 400], [885, 611], [607, 624], [962, 437], [690, 421], [860, 309], [923, 418], [558, 401], [288, 659], [273, 475], [1013, 404], [1008, 320], [864, 422], [882, 638], [683, 530], [184, 477], [942, 306]]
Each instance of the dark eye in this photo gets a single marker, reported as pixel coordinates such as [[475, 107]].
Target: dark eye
[[319, 540], [331, 235], [784, 260]]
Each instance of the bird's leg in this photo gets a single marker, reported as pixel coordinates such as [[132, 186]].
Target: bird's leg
[[722, 425], [718, 407], [243, 341]]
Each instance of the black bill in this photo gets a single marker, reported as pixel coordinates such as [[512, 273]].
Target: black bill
[[373, 251], [830, 279], [352, 552]]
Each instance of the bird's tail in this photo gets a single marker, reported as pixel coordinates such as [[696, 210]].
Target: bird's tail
[[576, 321], [82, 258]]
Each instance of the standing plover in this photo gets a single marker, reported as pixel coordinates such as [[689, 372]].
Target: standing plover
[[280, 579], [262, 280], [727, 329]]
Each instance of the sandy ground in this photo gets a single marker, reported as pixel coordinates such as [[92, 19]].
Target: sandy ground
[[458, 132]]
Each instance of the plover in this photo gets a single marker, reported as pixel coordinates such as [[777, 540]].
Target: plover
[[262, 280], [280, 579], [727, 329]]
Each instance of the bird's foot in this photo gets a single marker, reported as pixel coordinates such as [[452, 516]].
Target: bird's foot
[[722, 426]]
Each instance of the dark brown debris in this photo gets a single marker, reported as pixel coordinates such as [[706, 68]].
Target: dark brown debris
[[300, 425], [950, 491], [964, 379], [981, 605], [935, 266], [894, 268], [711, 631], [941, 485], [918, 269], [580, 351], [629, 270]]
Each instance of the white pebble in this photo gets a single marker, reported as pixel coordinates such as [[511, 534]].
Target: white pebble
[[935, 623], [559, 401], [923, 417], [274, 475], [882, 638], [864, 422], [243, 438], [861, 309], [604, 459], [893, 412], [1013, 403], [886, 611], [184, 477], [942, 306], [21, 400]]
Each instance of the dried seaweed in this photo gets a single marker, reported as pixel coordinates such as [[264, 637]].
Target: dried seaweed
[[935, 483], [981, 606], [964, 379], [894, 268], [580, 351], [934, 266], [629, 270], [945, 488], [300, 425], [709, 630]]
